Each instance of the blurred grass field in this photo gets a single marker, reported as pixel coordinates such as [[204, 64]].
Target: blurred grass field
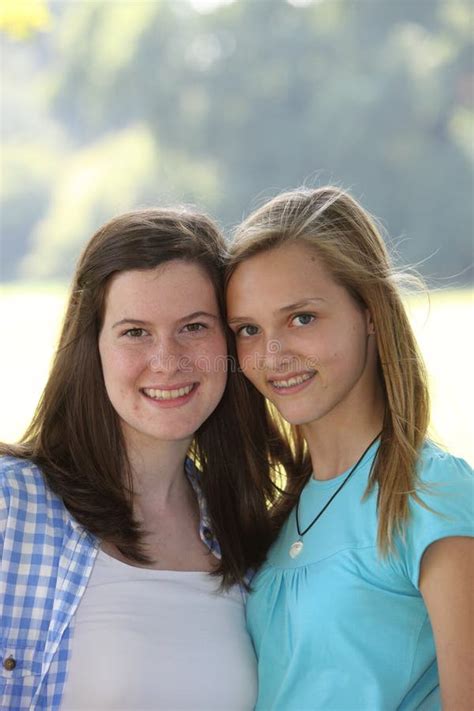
[[443, 322]]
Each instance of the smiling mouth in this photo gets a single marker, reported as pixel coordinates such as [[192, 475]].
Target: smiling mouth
[[293, 381], [158, 394]]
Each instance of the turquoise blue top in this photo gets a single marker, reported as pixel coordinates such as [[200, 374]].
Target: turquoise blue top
[[339, 629]]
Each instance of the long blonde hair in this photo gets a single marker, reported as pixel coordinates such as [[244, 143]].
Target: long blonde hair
[[347, 240]]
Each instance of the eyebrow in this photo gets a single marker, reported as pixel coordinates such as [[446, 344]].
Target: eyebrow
[[189, 317], [284, 309], [300, 304], [130, 320], [199, 314]]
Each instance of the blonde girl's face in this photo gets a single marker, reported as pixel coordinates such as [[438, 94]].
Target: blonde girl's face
[[302, 339]]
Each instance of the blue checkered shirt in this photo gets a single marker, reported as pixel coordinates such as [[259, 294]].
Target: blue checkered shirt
[[46, 561]]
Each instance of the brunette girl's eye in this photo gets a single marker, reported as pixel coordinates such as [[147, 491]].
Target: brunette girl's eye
[[247, 330], [302, 319], [135, 332], [194, 327]]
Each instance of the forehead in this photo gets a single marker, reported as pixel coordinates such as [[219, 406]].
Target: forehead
[[174, 286], [284, 274]]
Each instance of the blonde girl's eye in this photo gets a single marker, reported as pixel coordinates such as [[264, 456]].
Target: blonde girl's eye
[[302, 319], [247, 331]]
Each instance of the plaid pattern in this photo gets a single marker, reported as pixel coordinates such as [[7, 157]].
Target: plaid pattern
[[46, 562]]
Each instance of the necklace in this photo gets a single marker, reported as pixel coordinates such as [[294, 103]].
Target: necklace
[[297, 546]]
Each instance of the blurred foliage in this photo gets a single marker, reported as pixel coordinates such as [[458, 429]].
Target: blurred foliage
[[31, 170], [156, 102], [22, 18], [103, 179]]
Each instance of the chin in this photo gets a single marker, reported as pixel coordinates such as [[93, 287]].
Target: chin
[[151, 436], [175, 434], [297, 417], [178, 437]]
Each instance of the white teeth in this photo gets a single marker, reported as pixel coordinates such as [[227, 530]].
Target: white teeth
[[296, 380], [157, 394]]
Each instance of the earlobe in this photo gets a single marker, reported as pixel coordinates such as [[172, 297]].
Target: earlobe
[[370, 323]]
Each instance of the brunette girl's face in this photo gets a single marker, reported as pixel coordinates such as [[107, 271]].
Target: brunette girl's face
[[302, 339], [163, 351]]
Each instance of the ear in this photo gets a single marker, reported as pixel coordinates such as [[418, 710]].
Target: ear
[[370, 323]]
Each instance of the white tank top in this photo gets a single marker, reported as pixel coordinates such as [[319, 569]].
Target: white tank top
[[162, 640]]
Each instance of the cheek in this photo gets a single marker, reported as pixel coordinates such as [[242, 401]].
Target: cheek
[[120, 366], [348, 353], [336, 346], [358, 341], [247, 349], [252, 366], [246, 354], [210, 356], [241, 350]]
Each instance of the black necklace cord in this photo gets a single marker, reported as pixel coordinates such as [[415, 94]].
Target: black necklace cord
[[346, 479]]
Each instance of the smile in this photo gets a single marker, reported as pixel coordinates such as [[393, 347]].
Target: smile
[[158, 394], [292, 384]]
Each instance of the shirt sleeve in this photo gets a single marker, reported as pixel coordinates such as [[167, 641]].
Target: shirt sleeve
[[447, 492], [4, 502]]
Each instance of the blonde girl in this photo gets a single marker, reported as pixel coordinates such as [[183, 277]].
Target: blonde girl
[[363, 601]]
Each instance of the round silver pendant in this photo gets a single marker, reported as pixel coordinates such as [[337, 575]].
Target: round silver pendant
[[296, 548]]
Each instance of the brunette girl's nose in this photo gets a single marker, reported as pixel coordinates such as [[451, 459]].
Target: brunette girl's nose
[[166, 357]]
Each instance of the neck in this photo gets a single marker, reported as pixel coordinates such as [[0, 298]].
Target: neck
[[159, 480], [337, 441]]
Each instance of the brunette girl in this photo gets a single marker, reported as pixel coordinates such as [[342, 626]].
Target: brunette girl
[[364, 601], [132, 509]]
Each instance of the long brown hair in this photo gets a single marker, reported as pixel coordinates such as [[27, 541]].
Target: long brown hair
[[75, 436], [347, 240]]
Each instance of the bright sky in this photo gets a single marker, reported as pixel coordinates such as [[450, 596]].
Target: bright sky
[[209, 5]]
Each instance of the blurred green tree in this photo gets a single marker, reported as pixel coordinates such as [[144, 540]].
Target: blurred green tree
[[262, 95], [125, 168]]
